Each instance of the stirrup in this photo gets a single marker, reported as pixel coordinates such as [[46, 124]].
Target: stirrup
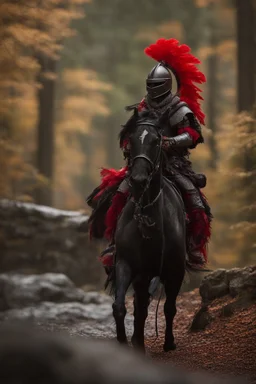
[[110, 249]]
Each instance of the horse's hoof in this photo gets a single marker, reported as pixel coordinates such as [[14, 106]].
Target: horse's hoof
[[169, 347]]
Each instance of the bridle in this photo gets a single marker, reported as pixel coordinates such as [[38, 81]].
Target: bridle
[[144, 220], [154, 167]]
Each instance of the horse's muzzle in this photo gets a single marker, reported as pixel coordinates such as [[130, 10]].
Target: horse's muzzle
[[138, 182]]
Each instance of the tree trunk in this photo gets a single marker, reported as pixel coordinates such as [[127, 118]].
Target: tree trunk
[[45, 129], [212, 86], [112, 122], [246, 55]]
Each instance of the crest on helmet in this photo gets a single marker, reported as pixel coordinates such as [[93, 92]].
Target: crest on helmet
[[176, 58]]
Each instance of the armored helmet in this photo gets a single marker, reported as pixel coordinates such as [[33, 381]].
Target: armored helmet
[[159, 81]]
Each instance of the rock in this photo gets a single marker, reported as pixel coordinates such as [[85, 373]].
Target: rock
[[50, 297], [37, 239], [239, 283], [24, 209], [62, 312], [242, 280], [214, 285], [31, 356], [234, 282], [96, 298], [201, 319], [240, 304], [19, 291]]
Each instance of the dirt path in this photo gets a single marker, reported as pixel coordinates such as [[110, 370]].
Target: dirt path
[[228, 346]]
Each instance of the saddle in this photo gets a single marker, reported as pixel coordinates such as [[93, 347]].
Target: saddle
[[175, 189]]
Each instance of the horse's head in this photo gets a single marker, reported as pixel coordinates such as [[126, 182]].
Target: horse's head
[[145, 153]]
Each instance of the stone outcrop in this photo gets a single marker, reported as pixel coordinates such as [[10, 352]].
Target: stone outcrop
[[233, 282], [50, 297], [238, 284], [38, 239]]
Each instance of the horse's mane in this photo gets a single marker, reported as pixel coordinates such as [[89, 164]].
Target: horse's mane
[[129, 127]]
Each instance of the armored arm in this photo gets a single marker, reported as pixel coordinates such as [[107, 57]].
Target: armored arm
[[182, 140], [187, 127]]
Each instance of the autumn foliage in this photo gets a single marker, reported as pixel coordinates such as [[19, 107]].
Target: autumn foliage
[[100, 69], [27, 29], [83, 98]]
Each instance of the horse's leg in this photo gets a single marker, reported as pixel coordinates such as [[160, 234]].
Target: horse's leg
[[172, 286], [123, 280], [141, 302]]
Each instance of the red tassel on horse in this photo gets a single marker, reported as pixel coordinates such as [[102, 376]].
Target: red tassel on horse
[[109, 178], [118, 203]]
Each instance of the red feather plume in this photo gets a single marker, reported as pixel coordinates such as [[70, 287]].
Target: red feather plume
[[178, 57]]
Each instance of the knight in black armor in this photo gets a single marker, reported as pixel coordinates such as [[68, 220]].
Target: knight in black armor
[[182, 133]]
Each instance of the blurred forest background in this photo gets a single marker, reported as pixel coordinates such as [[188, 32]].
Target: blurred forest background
[[68, 68]]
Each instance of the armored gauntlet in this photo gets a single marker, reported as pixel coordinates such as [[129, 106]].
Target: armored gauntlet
[[183, 140]]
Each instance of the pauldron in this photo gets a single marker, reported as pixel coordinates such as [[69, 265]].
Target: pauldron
[[181, 116]]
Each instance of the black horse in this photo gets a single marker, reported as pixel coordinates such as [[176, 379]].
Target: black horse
[[150, 235]]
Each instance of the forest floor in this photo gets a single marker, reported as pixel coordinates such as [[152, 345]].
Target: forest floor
[[227, 346]]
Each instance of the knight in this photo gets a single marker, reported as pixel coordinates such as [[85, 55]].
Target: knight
[[182, 133]]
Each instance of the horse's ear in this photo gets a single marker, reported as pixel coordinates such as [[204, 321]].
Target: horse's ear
[[132, 107], [136, 112]]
